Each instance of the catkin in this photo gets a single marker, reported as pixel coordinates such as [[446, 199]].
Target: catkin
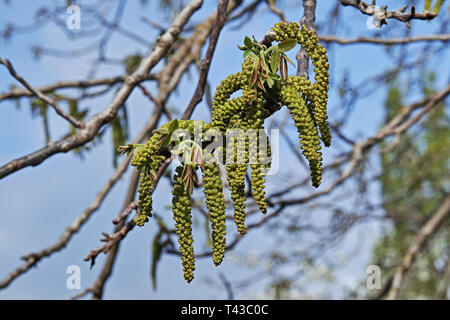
[[307, 103], [146, 159], [215, 202], [181, 207], [309, 138]]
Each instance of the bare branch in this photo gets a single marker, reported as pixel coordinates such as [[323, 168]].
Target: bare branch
[[18, 93], [384, 14], [309, 16], [206, 62], [33, 258], [416, 246], [274, 9], [93, 125], [54, 103], [388, 41]]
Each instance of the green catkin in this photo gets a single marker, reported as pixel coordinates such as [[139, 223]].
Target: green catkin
[[215, 202], [145, 159], [226, 88], [181, 207], [321, 85], [236, 172], [236, 180], [145, 198], [258, 174], [307, 103], [258, 181], [307, 131], [310, 42], [254, 114], [222, 116], [248, 92]]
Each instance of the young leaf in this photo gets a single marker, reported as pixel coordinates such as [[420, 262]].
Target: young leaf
[[161, 131], [167, 133], [132, 62], [270, 82], [274, 76], [248, 42], [287, 44], [172, 126], [272, 48], [275, 60]]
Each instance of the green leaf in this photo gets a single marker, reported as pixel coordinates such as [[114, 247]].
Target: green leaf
[[172, 126], [246, 53], [274, 76], [132, 62], [287, 44], [272, 48], [275, 60], [161, 131], [270, 82], [256, 63], [248, 42]]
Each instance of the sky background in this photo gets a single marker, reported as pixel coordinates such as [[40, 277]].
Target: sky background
[[37, 203]]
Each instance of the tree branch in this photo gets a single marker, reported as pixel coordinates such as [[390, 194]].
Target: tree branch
[[93, 125], [384, 14], [388, 41], [53, 102], [34, 258], [18, 93], [206, 62], [416, 246], [309, 16]]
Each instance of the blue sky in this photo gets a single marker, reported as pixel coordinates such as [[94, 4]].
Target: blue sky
[[36, 204]]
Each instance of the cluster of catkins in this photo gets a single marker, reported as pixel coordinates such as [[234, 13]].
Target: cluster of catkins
[[306, 102]]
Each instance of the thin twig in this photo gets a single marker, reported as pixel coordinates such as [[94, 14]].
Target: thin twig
[[32, 259], [93, 125], [399, 14], [206, 62], [309, 16], [417, 245], [387, 41], [18, 93], [53, 102]]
